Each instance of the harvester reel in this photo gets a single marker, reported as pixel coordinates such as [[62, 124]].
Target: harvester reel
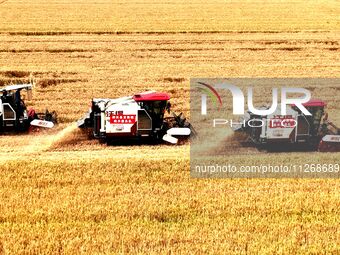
[[51, 116], [179, 121]]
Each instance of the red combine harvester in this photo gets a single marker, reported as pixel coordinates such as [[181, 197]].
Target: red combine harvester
[[14, 116], [295, 128], [138, 116]]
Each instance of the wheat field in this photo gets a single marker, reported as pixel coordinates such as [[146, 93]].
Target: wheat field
[[63, 193]]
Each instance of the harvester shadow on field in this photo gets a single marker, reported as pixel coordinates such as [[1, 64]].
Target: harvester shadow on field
[[240, 144], [80, 139], [288, 148], [141, 142]]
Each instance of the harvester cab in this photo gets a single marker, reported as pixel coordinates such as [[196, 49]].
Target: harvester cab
[[155, 105], [137, 116], [322, 132], [14, 115], [311, 123]]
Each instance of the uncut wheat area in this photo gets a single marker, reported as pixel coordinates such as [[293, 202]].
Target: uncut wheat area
[[63, 193]]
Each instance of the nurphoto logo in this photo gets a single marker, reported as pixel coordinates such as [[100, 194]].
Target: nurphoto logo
[[239, 115]]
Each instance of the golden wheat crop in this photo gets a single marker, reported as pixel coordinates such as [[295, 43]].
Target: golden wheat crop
[[106, 16], [63, 193]]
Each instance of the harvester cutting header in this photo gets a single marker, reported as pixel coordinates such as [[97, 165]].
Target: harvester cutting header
[[14, 116], [137, 116]]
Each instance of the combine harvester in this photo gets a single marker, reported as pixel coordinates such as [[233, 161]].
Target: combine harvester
[[138, 116], [14, 116], [294, 130]]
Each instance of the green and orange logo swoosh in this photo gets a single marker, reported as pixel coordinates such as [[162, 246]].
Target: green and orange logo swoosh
[[211, 92]]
